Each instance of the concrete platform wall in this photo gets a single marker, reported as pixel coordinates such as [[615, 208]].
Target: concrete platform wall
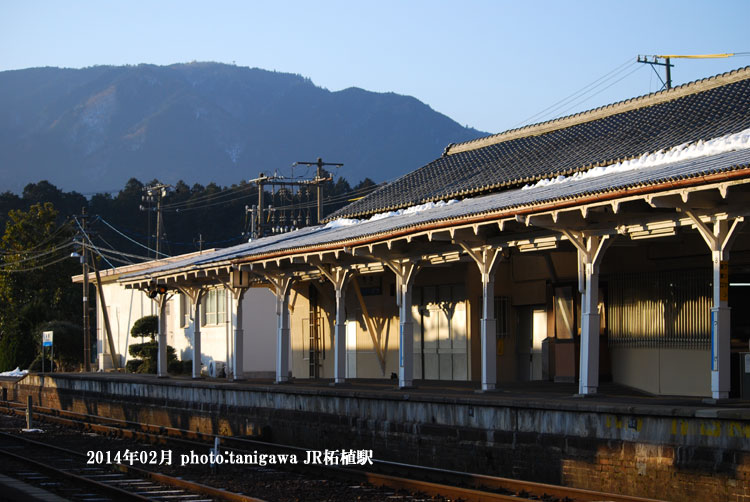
[[670, 453]]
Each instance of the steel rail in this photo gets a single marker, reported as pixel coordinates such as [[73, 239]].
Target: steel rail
[[143, 473], [118, 493], [477, 482]]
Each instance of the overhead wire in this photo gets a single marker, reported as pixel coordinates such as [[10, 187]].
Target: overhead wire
[[38, 267], [128, 238], [583, 90], [226, 192], [43, 241], [114, 252], [86, 236], [106, 242], [6, 264], [600, 91]]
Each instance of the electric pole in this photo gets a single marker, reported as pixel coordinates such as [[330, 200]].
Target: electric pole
[[319, 180], [155, 193], [86, 319], [655, 62], [668, 66]]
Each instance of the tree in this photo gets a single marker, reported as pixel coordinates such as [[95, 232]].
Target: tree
[[35, 285], [67, 343]]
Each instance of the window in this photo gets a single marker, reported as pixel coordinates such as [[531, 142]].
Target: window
[[184, 311], [565, 320], [502, 316], [214, 305]]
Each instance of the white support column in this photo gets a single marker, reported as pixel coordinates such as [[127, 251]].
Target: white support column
[[340, 278], [590, 254], [281, 285], [161, 371], [408, 270], [282, 338], [590, 322], [720, 327], [197, 363], [719, 240], [486, 259], [238, 368], [489, 322], [339, 371]]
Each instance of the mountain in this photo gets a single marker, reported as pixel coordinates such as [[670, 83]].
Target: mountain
[[92, 129]]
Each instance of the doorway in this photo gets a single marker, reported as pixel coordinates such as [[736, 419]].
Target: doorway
[[532, 330]]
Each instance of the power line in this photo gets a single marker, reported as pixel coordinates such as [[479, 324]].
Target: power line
[[226, 192], [583, 90], [128, 238], [108, 244], [86, 236], [12, 271], [42, 242], [37, 256], [601, 91], [110, 252]]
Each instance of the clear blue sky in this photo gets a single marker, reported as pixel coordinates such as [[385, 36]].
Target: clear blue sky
[[487, 64]]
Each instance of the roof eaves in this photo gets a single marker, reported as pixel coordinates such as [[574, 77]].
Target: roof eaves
[[729, 172]]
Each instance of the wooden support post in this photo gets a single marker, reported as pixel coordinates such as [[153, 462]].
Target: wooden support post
[[29, 413], [112, 352]]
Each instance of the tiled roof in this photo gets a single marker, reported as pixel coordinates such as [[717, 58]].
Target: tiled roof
[[700, 110], [507, 201]]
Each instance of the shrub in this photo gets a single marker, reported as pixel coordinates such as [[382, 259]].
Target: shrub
[[146, 326], [36, 365], [147, 355], [17, 349], [67, 343], [134, 365]]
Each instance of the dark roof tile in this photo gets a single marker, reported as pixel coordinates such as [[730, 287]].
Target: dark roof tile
[[698, 111]]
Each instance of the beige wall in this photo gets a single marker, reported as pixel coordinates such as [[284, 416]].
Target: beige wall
[[683, 372]]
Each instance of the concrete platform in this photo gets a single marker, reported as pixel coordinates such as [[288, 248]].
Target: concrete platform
[[619, 440]]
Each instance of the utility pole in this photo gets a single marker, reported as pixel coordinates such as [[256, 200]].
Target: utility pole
[[655, 62], [86, 320], [668, 66], [258, 212], [259, 182], [156, 193], [319, 180]]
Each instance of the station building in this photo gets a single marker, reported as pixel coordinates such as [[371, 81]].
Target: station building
[[122, 307], [594, 247]]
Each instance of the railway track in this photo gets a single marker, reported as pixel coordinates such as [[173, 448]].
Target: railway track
[[67, 473], [445, 484]]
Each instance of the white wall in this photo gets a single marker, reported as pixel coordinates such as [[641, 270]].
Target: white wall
[[125, 306]]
